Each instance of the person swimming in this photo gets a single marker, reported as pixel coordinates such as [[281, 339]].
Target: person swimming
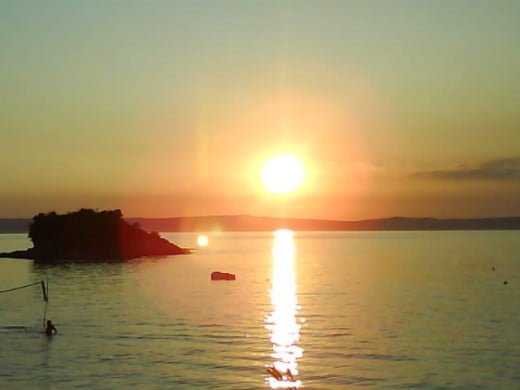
[[50, 329]]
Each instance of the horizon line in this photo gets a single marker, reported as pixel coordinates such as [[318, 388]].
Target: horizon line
[[291, 217]]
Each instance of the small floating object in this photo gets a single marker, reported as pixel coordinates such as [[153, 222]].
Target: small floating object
[[505, 281], [217, 275]]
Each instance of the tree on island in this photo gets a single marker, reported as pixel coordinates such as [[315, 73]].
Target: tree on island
[[89, 235]]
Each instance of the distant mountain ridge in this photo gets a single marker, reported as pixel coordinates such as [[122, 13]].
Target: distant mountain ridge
[[15, 225], [245, 223], [254, 223]]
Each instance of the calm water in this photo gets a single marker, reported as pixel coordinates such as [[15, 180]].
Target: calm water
[[340, 310]]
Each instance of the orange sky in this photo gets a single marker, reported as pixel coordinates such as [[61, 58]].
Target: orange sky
[[170, 110]]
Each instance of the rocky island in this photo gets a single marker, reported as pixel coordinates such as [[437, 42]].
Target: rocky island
[[91, 236]]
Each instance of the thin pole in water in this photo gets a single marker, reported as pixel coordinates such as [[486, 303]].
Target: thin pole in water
[[46, 299]]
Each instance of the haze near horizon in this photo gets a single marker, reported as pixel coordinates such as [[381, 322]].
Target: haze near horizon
[[172, 108]]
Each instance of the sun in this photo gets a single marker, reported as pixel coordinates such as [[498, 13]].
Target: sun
[[283, 174]]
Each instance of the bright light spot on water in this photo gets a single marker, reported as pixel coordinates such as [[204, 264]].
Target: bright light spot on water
[[282, 324], [202, 240]]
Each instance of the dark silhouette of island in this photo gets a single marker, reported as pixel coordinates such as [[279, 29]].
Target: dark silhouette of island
[[89, 235], [248, 223]]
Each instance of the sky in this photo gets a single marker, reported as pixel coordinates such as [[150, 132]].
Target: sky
[[170, 108]]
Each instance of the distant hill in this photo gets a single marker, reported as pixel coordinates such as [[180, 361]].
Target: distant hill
[[14, 225], [244, 223], [239, 223]]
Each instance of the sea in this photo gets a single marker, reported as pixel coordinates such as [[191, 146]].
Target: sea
[[308, 310]]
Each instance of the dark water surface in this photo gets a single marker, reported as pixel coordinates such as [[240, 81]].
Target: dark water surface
[[375, 310]]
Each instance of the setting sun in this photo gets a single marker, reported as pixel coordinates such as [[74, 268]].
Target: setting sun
[[283, 174]]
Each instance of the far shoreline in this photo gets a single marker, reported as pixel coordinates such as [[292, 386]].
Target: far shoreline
[[248, 223]]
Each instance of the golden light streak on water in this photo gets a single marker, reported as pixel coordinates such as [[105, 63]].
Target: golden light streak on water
[[282, 322]]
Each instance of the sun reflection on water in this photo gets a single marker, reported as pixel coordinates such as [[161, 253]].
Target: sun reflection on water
[[282, 324]]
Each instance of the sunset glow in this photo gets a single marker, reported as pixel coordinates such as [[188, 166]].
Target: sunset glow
[[257, 108], [262, 194], [283, 174]]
